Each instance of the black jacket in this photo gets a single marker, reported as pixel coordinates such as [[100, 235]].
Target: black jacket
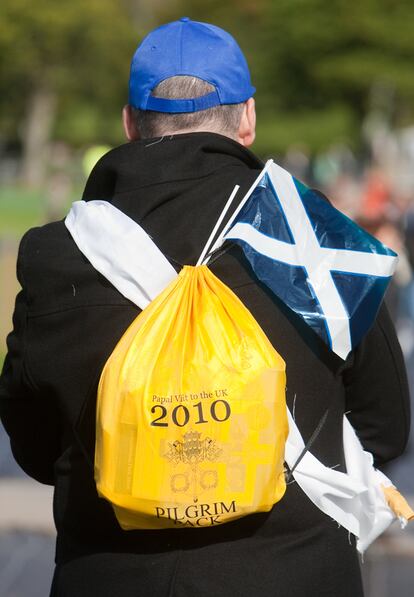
[[68, 319]]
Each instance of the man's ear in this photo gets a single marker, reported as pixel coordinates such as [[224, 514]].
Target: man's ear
[[247, 128], [129, 122]]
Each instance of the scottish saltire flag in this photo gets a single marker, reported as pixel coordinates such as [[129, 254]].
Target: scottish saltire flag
[[315, 259]]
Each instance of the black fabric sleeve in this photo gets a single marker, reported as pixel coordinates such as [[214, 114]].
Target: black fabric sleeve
[[377, 395], [30, 419]]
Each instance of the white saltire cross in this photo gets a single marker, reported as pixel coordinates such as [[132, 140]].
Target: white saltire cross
[[318, 261]]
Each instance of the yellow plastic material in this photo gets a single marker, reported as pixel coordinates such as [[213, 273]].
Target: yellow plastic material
[[191, 413], [398, 503]]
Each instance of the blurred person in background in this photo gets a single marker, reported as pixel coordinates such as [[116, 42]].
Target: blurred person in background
[[189, 122]]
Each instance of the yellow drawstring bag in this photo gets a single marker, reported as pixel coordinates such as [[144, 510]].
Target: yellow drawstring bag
[[191, 413]]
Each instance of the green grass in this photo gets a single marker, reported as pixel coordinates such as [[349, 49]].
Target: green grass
[[20, 209]]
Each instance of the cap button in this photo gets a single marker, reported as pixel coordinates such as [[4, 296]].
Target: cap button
[[185, 19]]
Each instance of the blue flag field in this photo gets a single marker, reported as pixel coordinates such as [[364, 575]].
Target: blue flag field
[[314, 258]]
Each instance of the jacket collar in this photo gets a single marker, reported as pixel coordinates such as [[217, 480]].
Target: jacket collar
[[148, 162]]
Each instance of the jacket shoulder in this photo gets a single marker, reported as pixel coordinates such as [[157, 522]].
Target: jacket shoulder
[[34, 244], [56, 275]]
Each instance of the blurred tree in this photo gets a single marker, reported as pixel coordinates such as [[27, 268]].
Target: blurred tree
[[330, 56], [318, 65], [59, 59]]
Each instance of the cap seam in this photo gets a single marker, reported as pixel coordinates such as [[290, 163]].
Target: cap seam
[[181, 45]]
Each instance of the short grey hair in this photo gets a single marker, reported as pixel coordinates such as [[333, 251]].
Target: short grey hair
[[220, 119]]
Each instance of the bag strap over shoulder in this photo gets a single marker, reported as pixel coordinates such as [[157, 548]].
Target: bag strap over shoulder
[[120, 250]]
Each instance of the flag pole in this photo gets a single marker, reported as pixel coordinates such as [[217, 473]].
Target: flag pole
[[219, 221], [236, 212]]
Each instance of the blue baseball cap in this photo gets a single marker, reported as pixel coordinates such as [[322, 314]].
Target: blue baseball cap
[[187, 47]]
